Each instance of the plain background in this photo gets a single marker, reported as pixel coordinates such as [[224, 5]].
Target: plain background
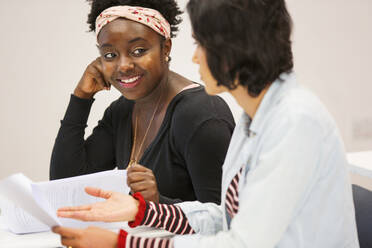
[[45, 47]]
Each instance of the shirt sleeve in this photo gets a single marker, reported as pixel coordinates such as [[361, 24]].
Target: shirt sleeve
[[167, 217], [273, 190], [204, 218], [205, 153], [126, 240], [72, 155], [184, 218]]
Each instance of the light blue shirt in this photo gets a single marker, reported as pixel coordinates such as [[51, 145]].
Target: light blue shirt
[[294, 191]]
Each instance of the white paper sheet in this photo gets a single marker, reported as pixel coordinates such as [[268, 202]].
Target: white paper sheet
[[17, 190], [41, 200]]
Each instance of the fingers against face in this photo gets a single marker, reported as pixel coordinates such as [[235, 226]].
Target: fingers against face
[[99, 76], [95, 70], [103, 68]]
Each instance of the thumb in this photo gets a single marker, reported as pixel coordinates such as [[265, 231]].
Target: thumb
[[138, 167]]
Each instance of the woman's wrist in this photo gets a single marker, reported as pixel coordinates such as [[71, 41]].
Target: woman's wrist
[[122, 239], [140, 210], [81, 94]]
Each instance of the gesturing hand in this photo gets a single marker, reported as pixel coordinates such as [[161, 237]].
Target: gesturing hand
[[141, 179], [117, 207]]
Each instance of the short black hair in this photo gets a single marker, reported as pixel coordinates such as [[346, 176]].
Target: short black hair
[[245, 39], [168, 8]]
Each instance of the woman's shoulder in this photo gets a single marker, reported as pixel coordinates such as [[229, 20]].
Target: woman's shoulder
[[197, 114], [297, 108], [120, 103], [119, 109], [196, 106], [301, 104]]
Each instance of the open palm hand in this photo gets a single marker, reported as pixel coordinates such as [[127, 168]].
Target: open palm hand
[[117, 207]]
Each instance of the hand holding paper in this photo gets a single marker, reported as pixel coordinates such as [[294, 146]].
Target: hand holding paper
[[92, 237], [31, 207], [117, 207]]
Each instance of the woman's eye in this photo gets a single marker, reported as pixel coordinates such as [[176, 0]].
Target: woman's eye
[[138, 52], [109, 55]]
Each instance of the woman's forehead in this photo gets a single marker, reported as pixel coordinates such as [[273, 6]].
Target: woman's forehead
[[125, 30]]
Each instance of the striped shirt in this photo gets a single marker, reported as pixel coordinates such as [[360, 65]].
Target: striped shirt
[[232, 195], [168, 217], [173, 219]]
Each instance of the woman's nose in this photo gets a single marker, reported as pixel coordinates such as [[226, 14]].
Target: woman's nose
[[125, 64]]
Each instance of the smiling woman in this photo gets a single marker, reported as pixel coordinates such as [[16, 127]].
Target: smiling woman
[[170, 135]]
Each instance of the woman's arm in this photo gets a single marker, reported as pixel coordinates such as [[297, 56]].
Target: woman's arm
[[94, 237], [72, 155], [138, 212], [167, 217], [121, 207], [204, 154]]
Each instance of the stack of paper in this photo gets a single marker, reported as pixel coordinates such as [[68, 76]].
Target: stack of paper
[[31, 207]]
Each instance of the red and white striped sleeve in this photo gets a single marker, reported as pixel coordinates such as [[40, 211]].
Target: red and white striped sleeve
[[126, 240], [167, 217]]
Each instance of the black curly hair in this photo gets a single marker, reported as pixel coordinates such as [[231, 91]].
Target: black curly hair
[[248, 39], [168, 8]]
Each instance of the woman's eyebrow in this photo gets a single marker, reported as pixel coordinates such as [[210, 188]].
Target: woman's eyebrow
[[136, 39], [104, 45], [131, 41]]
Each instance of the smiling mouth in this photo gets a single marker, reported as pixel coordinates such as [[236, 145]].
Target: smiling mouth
[[129, 82]]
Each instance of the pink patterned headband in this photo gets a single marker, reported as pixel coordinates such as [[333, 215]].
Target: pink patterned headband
[[149, 17]]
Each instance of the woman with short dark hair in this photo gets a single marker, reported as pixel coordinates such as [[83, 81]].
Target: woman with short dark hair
[[285, 180]]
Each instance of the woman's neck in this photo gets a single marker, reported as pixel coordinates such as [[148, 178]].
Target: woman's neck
[[247, 102], [158, 93]]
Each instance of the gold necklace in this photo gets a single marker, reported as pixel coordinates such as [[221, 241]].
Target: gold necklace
[[134, 159]]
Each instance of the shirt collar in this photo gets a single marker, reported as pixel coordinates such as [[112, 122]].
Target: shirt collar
[[274, 93]]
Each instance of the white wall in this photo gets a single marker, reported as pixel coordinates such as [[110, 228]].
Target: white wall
[[44, 49], [333, 51]]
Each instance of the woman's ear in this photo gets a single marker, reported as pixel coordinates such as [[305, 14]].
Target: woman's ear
[[167, 47]]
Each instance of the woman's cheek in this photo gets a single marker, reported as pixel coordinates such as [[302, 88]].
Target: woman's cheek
[[107, 71]]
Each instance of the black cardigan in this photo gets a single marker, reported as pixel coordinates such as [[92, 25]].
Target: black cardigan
[[186, 156]]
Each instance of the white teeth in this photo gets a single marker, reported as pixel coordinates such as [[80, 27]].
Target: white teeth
[[130, 80]]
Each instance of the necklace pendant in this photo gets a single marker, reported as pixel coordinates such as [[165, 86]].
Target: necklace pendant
[[131, 162]]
